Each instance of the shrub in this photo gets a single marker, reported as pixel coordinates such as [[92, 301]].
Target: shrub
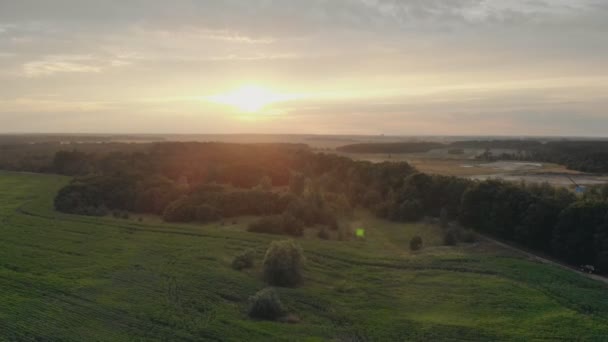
[[283, 263], [120, 214], [278, 224], [266, 304], [323, 234], [345, 232], [468, 236], [179, 211], [292, 225], [416, 243], [243, 260], [206, 213], [450, 238]]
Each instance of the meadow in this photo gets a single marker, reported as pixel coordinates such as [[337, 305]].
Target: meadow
[[74, 278]]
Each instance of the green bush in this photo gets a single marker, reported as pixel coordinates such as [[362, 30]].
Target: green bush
[[266, 304], [243, 260], [283, 263], [416, 243]]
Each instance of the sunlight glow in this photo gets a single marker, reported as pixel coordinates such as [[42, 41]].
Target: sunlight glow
[[251, 99]]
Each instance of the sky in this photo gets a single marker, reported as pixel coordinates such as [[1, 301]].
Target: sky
[[394, 67]]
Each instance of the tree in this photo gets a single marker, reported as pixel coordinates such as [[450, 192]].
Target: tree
[[574, 236], [416, 243], [283, 264]]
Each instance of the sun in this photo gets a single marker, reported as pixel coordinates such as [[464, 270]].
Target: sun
[[250, 98]]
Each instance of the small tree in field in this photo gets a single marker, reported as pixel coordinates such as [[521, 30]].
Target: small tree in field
[[416, 243], [283, 264], [243, 260], [266, 304]]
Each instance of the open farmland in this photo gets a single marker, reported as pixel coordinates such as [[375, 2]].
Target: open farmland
[[438, 162], [74, 278]]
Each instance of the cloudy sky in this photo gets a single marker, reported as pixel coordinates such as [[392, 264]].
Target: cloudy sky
[[455, 67]]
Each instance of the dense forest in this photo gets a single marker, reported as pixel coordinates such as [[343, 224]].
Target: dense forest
[[290, 187]]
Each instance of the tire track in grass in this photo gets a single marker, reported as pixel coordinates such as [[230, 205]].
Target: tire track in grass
[[366, 262], [151, 229]]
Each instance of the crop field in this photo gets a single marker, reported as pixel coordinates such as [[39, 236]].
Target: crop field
[[74, 278]]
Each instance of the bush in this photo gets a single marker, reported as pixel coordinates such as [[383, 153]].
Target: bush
[[468, 236], [345, 232], [179, 211], [323, 234], [278, 224], [206, 213], [416, 243], [243, 260], [283, 263], [266, 304], [450, 238]]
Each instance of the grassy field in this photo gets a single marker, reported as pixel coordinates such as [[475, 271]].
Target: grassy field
[[77, 278]]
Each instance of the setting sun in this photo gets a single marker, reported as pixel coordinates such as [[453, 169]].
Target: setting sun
[[250, 99]]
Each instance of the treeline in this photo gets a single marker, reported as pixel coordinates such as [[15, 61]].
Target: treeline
[[543, 218], [184, 182], [585, 155], [291, 187], [16, 155], [511, 144], [540, 217], [398, 147]]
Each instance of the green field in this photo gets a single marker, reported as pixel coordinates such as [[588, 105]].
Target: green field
[[74, 278]]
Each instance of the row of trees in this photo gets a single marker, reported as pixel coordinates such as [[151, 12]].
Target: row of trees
[[541, 217], [583, 155], [586, 156]]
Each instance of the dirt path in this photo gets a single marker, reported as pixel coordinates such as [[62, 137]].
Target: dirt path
[[545, 260]]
